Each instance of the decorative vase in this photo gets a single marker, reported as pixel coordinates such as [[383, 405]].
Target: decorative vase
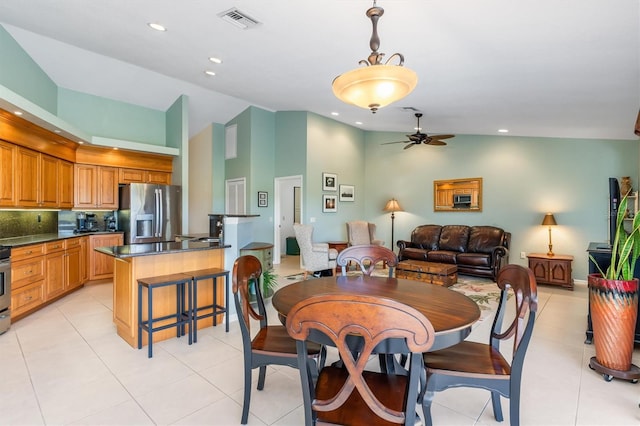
[[614, 308], [625, 185]]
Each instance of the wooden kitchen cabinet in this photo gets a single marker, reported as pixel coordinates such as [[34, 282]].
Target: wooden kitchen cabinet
[[26, 298], [553, 270], [101, 265], [42, 180], [143, 176], [8, 177], [27, 265], [28, 173], [84, 259], [65, 184], [96, 187], [54, 269]]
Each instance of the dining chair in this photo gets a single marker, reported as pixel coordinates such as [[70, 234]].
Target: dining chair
[[315, 256], [479, 365], [352, 395], [366, 257], [271, 345]]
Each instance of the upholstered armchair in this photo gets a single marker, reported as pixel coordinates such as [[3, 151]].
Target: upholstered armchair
[[315, 256], [360, 232]]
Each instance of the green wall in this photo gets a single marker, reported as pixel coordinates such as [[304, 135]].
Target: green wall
[[19, 73]]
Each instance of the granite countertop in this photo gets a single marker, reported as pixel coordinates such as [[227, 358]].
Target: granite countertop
[[43, 238], [152, 249]]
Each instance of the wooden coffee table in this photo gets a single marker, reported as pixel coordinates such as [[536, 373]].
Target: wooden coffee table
[[443, 274]]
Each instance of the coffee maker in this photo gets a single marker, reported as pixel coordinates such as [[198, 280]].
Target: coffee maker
[[110, 223], [81, 222], [92, 222]]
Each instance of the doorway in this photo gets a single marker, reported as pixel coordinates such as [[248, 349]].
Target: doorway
[[287, 210]]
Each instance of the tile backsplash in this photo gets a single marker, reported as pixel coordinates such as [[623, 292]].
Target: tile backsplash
[[21, 223]]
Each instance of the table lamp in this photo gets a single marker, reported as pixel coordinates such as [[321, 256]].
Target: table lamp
[[392, 206], [549, 221]]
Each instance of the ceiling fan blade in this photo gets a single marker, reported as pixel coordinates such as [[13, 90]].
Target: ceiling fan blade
[[410, 145], [442, 136], [435, 142], [389, 143]]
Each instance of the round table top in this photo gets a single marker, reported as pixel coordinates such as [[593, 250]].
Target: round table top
[[451, 313]]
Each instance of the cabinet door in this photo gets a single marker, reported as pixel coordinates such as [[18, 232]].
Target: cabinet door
[[84, 259], [162, 178], [49, 183], [7, 174], [72, 268], [26, 298], [85, 177], [108, 187], [26, 271], [101, 265], [132, 176], [65, 184], [540, 268], [559, 272], [54, 282], [27, 166]]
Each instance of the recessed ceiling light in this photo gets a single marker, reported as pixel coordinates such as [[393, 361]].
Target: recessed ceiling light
[[156, 27], [207, 72], [359, 123], [17, 112], [56, 131], [503, 130], [335, 113], [215, 60], [81, 142]]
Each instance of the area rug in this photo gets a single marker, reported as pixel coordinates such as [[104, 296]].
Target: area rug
[[483, 291]]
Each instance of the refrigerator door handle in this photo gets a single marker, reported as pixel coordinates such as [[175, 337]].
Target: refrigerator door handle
[[157, 214], [160, 213]]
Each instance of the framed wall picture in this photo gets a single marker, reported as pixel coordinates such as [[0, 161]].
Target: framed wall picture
[[263, 199], [347, 193], [329, 203], [329, 182]]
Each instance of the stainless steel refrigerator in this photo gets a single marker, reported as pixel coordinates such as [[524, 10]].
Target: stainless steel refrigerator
[[150, 213]]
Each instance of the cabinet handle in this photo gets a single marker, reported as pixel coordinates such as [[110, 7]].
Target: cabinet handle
[[28, 252], [28, 298]]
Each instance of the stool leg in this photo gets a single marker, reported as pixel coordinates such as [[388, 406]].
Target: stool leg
[[194, 301], [190, 320], [150, 319], [139, 316], [226, 301], [215, 300]]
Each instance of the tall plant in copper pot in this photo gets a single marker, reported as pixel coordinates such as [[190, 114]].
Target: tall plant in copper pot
[[613, 301]]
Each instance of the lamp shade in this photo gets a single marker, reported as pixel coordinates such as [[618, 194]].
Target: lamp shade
[[374, 86], [549, 220], [392, 206]]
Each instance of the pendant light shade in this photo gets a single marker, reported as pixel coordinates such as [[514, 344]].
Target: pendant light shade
[[376, 84]]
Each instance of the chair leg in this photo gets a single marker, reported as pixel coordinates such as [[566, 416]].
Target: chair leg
[[427, 399], [514, 409], [305, 275], [247, 394], [497, 407], [261, 375]]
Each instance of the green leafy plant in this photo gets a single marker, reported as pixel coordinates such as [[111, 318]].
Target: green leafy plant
[[625, 249], [269, 282]]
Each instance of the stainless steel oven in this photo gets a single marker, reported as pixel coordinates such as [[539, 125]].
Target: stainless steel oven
[[5, 288]]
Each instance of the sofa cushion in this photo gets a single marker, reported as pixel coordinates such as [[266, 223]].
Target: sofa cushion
[[426, 236], [454, 238], [442, 256], [483, 239], [474, 259]]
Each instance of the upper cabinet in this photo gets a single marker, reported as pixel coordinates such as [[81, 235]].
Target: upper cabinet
[[96, 187], [7, 174], [144, 176]]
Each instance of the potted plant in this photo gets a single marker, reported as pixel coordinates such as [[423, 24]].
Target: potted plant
[[613, 302], [269, 285]]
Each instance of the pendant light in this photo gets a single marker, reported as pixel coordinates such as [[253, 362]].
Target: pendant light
[[376, 84]]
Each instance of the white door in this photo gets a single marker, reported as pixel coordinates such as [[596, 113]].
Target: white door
[[286, 210], [235, 196]]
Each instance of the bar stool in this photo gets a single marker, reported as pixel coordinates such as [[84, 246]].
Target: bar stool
[[216, 309], [182, 316]]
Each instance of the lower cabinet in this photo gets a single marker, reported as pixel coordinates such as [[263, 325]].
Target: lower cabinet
[[101, 265], [27, 297], [263, 251], [553, 270]]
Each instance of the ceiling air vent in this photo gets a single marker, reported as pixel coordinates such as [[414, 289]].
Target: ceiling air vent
[[238, 18]]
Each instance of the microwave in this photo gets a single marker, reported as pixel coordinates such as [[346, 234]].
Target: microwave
[[462, 199]]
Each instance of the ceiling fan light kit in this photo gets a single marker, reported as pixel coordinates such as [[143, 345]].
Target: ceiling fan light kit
[[376, 84]]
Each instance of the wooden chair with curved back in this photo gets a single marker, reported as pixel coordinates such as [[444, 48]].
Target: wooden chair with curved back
[[479, 365], [366, 257], [351, 395], [271, 344]]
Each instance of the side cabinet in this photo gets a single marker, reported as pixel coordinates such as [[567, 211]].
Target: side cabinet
[[263, 251], [553, 270]]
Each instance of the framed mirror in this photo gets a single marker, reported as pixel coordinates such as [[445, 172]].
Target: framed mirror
[[457, 195]]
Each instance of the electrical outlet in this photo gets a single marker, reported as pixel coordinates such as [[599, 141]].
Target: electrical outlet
[[523, 255], [312, 219]]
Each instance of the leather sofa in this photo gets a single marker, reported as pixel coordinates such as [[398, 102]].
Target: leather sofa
[[476, 250]]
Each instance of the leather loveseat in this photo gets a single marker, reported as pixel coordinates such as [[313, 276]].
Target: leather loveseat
[[476, 250]]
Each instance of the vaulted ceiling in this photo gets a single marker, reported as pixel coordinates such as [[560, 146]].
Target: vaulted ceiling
[[551, 68]]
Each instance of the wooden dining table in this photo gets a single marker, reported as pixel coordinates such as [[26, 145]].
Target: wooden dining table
[[451, 313]]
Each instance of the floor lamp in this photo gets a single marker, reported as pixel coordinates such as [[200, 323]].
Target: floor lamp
[[392, 206]]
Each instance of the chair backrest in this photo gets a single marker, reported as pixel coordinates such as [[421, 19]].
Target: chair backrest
[[304, 236], [338, 317], [366, 257], [525, 291], [245, 270], [360, 232]]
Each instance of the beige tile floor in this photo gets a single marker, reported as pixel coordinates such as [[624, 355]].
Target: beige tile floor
[[65, 365]]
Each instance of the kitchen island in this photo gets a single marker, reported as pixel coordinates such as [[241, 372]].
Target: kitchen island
[[135, 261]]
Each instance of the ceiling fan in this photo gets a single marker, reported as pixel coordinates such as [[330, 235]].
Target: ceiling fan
[[418, 137]]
